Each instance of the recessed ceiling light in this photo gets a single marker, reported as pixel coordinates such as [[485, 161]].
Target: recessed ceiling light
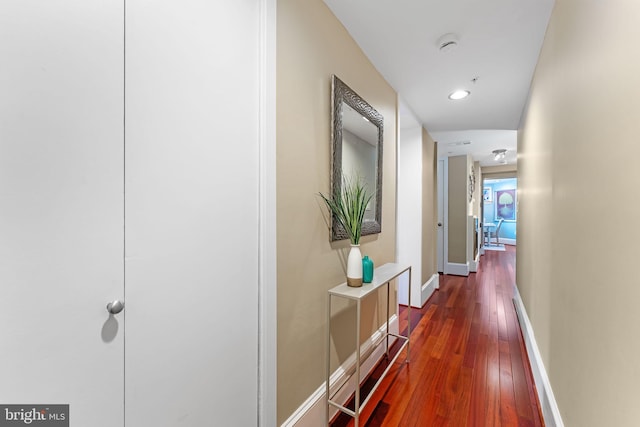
[[459, 94]]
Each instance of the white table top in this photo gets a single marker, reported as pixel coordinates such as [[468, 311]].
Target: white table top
[[489, 224], [381, 275]]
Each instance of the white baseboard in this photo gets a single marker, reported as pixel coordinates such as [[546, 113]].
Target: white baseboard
[[429, 288], [313, 411], [473, 265], [550, 410], [457, 269], [505, 241]]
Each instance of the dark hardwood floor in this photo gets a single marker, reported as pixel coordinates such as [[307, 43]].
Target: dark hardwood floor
[[468, 362]]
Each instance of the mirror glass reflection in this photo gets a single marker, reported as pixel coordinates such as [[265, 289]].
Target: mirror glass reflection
[[360, 152]]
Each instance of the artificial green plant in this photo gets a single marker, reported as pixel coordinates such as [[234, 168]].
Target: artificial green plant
[[348, 206]]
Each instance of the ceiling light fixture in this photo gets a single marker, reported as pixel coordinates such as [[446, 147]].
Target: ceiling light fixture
[[499, 155], [459, 94]]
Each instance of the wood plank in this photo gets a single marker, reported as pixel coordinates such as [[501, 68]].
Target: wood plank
[[474, 334], [508, 413], [492, 392], [477, 406], [438, 349]]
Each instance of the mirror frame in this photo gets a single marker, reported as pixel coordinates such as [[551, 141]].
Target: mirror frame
[[343, 93]]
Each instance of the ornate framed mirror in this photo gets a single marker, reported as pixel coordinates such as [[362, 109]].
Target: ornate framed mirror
[[356, 130]]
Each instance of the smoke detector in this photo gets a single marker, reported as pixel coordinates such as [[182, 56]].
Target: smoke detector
[[447, 43]]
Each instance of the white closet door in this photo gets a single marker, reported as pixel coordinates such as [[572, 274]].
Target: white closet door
[[192, 212], [61, 206]]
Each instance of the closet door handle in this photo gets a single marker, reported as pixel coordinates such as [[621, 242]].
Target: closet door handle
[[115, 307]]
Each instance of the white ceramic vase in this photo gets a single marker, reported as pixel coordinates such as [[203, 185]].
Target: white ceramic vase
[[354, 267]]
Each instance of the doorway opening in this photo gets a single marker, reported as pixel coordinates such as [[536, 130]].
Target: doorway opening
[[499, 212]]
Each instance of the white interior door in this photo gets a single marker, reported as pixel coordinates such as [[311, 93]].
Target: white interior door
[[61, 206], [192, 193], [441, 217]]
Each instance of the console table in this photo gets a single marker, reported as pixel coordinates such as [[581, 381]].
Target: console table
[[382, 276]]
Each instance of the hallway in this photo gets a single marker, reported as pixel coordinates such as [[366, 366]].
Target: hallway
[[468, 363]]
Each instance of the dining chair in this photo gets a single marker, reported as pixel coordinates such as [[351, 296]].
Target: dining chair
[[496, 232]]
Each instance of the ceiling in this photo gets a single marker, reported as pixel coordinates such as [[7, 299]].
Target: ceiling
[[498, 42]]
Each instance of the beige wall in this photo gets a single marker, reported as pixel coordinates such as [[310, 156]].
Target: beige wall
[[488, 170], [311, 46], [500, 171], [429, 207], [577, 228], [458, 207]]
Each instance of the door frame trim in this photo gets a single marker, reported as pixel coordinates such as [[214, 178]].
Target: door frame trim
[[267, 280], [445, 219]]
